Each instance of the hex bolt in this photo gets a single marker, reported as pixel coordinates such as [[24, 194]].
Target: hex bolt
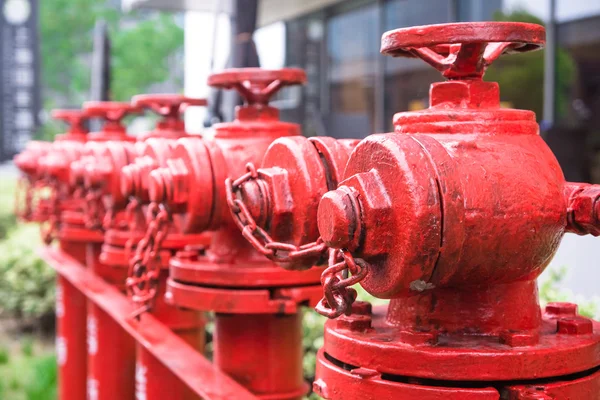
[[419, 338], [354, 322], [339, 218], [561, 309], [575, 326], [519, 339], [362, 308]]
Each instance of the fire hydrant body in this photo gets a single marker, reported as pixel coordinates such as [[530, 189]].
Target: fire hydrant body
[[453, 217], [56, 214], [153, 380], [258, 332], [110, 349], [275, 207], [29, 204]]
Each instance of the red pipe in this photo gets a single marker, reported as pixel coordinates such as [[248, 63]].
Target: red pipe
[[154, 381], [111, 350], [70, 331], [178, 357], [111, 358], [263, 352]]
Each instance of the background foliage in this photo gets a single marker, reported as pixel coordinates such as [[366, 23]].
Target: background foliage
[[144, 45], [521, 76]]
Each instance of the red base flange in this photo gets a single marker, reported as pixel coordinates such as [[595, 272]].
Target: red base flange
[[364, 354], [73, 229], [255, 287], [196, 269], [336, 380], [242, 301], [116, 254]]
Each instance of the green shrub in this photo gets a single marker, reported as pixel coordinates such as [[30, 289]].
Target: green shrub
[[551, 290], [42, 384], [28, 375], [26, 282], [27, 346], [7, 218], [4, 356]]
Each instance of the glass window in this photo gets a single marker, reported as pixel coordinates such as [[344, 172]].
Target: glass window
[[477, 10], [575, 135], [352, 48], [407, 80], [305, 44]]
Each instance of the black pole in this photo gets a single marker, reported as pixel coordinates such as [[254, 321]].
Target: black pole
[[100, 74], [242, 54]]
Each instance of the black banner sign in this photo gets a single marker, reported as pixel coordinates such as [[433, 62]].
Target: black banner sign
[[19, 74]]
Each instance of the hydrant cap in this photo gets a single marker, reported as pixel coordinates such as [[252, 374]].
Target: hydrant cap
[[337, 218]]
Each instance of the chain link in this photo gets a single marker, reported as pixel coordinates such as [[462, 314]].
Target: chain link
[[49, 228], [259, 238], [93, 209], [23, 207], [133, 213], [338, 295], [144, 266]]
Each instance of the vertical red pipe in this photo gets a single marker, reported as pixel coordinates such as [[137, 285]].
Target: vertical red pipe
[[70, 331], [263, 352], [110, 349], [152, 380]]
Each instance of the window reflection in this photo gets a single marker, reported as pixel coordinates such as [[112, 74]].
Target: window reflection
[[352, 48], [407, 80]]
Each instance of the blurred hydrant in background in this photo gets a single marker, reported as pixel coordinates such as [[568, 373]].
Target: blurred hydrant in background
[[275, 207], [30, 204], [125, 198], [59, 211], [258, 332], [110, 350], [453, 217]]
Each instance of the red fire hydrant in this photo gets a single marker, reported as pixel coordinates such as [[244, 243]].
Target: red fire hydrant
[[453, 217], [110, 349], [258, 334], [275, 207], [62, 202], [153, 380], [29, 204]]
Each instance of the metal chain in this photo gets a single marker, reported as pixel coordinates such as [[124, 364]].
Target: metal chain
[[338, 295], [93, 208], [132, 214], [109, 219], [144, 268], [23, 208], [263, 242], [49, 229]]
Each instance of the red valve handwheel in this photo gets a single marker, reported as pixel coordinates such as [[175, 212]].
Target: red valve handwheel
[[74, 118], [463, 50], [166, 104], [110, 110], [257, 85]]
